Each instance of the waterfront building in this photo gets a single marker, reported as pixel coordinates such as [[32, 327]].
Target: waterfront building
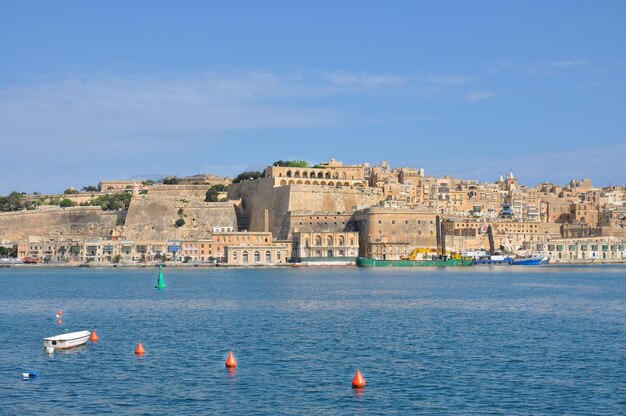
[[594, 249], [325, 247], [257, 255]]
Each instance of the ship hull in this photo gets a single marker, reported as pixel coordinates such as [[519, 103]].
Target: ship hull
[[531, 261], [368, 262]]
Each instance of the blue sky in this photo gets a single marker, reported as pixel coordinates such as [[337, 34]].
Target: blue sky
[[118, 89]]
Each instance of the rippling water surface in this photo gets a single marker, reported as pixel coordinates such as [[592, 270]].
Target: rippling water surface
[[536, 340]]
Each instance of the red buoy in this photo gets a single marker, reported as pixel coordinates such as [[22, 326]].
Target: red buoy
[[358, 382], [231, 362], [139, 350], [94, 337], [59, 313], [59, 321]]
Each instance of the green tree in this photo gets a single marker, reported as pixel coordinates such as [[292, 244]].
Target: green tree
[[179, 222], [117, 258], [15, 202], [65, 202], [246, 176], [70, 191], [112, 202], [5, 251], [89, 188], [171, 180], [298, 164], [212, 193], [291, 163]]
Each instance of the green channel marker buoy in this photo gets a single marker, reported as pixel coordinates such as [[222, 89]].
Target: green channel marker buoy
[[160, 283]]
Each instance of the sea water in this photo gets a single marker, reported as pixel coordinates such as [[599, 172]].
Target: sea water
[[455, 341]]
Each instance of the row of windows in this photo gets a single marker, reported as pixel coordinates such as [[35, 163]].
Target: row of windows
[[329, 241], [420, 222], [329, 253], [330, 183], [257, 256]]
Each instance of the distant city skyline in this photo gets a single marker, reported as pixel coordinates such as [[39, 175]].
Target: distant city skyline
[[116, 90]]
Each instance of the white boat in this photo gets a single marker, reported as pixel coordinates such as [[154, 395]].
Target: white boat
[[65, 341]]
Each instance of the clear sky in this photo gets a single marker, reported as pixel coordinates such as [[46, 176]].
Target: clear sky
[[126, 89]]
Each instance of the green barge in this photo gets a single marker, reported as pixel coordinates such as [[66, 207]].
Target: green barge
[[369, 262]]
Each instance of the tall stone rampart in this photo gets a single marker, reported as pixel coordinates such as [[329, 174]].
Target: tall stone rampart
[[282, 201], [54, 222], [154, 218], [195, 192]]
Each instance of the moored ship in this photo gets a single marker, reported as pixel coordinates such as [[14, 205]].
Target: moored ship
[[441, 262], [423, 257]]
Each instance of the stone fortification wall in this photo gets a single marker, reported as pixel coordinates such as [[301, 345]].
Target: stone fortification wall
[[613, 232], [195, 192], [331, 199], [412, 226], [282, 201], [55, 222], [320, 222], [153, 218]]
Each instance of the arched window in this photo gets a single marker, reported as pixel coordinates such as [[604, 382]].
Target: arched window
[[320, 175], [283, 182], [278, 256], [327, 176], [335, 175], [244, 257], [318, 240], [306, 242], [234, 255], [312, 174], [340, 240], [257, 257], [268, 256], [289, 173], [329, 241], [329, 253], [297, 174], [305, 174], [341, 253]]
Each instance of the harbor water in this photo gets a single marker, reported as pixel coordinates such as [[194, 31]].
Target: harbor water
[[450, 341]]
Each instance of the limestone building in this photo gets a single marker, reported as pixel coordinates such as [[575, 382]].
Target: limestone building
[[325, 247]]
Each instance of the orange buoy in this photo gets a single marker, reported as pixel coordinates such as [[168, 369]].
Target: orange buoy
[[59, 321], [60, 313], [139, 350], [358, 382], [94, 337], [231, 361]]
